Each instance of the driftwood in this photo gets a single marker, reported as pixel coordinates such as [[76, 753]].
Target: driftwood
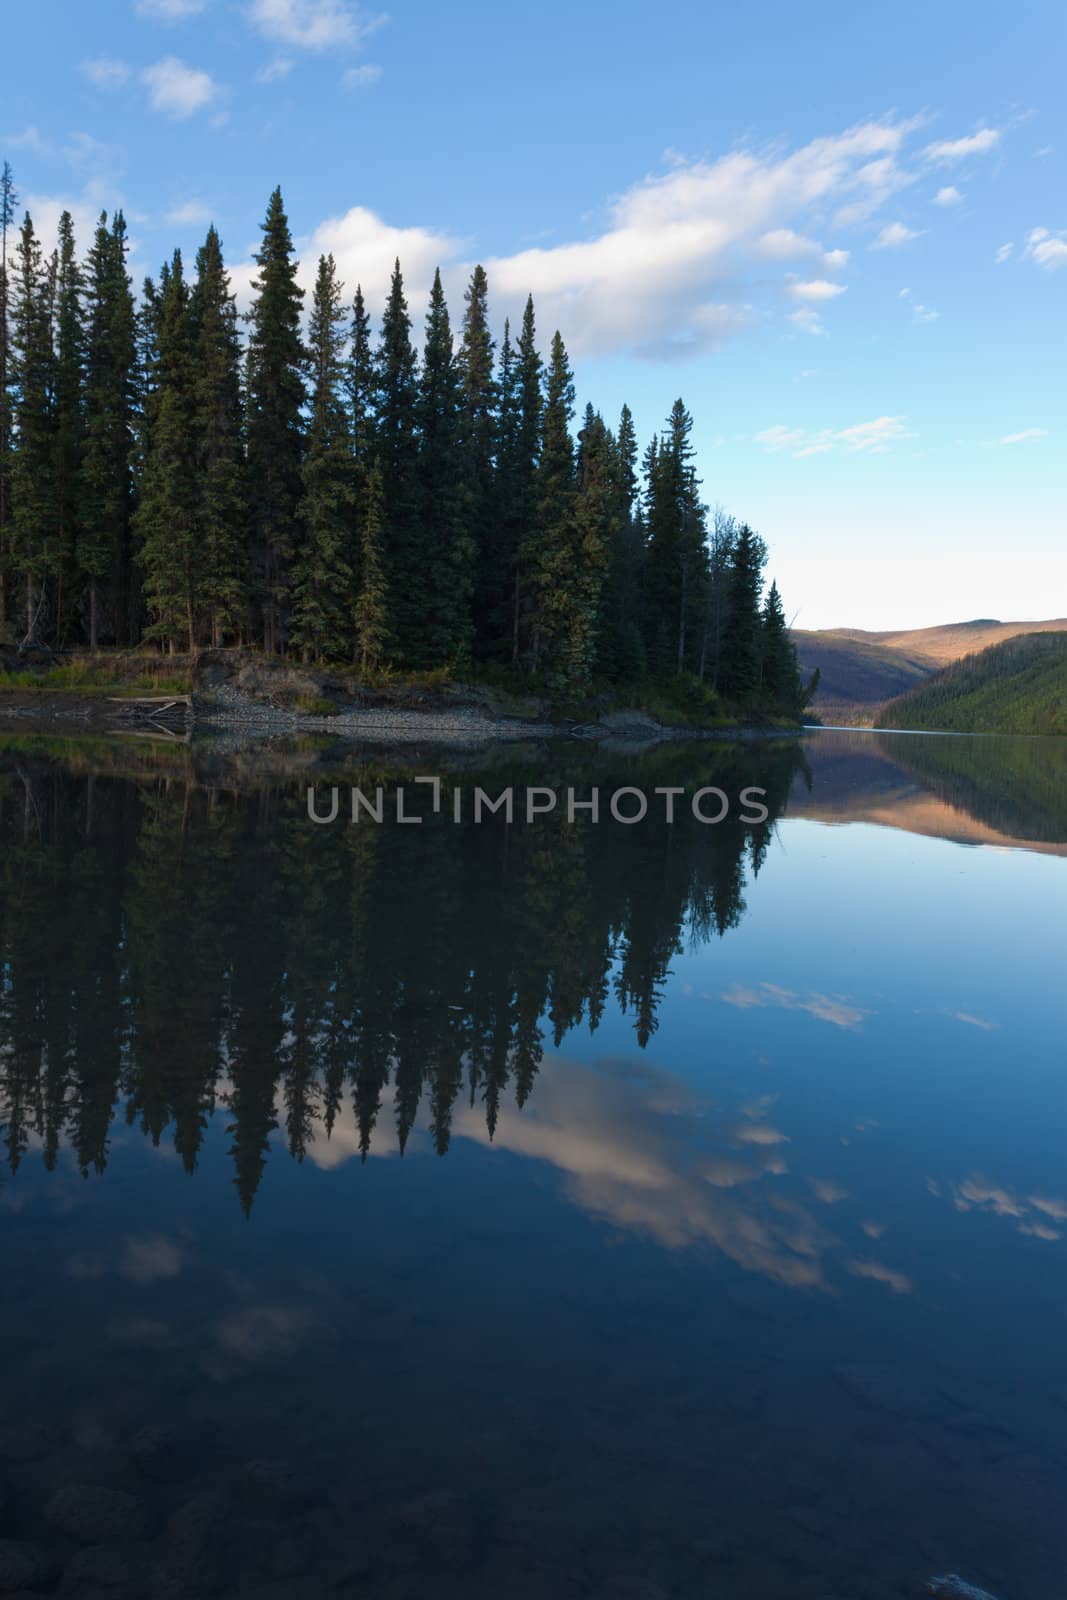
[[167, 716]]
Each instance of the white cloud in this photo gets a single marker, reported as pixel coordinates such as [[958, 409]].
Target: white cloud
[[948, 196], [816, 289], [807, 321], [893, 235], [866, 438], [178, 90], [314, 24], [189, 214], [784, 244], [105, 72], [923, 314], [1003, 253], [1017, 438], [1049, 250], [975, 144], [361, 77], [169, 10], [679, 263], [279, 68]]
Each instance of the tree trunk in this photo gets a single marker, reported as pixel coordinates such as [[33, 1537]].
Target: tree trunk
[[93, 616]]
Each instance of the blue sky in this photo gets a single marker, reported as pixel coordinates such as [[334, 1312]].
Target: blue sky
[[840, 233]]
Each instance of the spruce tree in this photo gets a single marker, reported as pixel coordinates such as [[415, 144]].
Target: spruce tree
[[323, 572], [553, 645], [779, 671], [371, 610], [276, 395], [104, 541], [362, 383], [498, 554], [221, 514], [621, 650], [524, 475], [676, 562], [166, 519], [596, 520], [739, 669], [397, 457], [8, 204], [477, 439], [69, 433], [447, 547], [34, 543]]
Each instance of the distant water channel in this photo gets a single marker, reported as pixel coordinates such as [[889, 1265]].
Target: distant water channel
[[616, 1211]]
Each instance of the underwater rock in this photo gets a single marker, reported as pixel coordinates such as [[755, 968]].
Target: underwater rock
[[25, 1566], [91, 1514], [953, 1588], [108, 1566]]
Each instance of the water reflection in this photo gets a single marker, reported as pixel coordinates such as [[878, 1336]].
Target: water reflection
[[170, 946]]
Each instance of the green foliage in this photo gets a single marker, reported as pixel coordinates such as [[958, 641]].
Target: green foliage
[[349, 501], [1019, 686], [371, 614], [103, 535], [276, 395], [323, 589]]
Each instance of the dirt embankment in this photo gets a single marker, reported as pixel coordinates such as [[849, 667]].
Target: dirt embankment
[[241, 695]]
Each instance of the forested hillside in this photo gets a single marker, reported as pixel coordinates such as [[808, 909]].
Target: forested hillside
[[170, 475], [1019, 686]]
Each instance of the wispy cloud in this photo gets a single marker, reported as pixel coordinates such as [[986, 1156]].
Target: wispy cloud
[[275, 70], [189, 214], [1047, 249], [106, 72], [948, 196], [1004, 253], [808, 321], [314, 24], [872, 438], [921, 314], [827, 1008], [361, 77], [1022, 437], [178, 90], [972, 144], [893, 235], [816, 289]]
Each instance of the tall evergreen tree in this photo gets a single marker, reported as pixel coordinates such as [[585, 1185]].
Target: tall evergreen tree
[[497, 554], [362, 383], [371, 611], [739, 671], [221, 515], [621, 650], [276, 398], [554, 619], [166, 516], [104, 536], [675, 566], [34, 542], [477, 438], [69, 432], [397, 456], [8, 204], [445, 536], [524, 484], [323, 571], [779, 671]]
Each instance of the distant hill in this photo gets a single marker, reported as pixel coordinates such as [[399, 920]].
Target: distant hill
[[1019, 686], [860, 670]]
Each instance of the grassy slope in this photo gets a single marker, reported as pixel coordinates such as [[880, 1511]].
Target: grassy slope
[[861, 670], [856, 675], [1019, 686]]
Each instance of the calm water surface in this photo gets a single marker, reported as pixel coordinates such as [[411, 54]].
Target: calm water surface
[[727, 1254]]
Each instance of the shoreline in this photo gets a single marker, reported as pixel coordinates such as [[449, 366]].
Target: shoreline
[[228, 713]]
